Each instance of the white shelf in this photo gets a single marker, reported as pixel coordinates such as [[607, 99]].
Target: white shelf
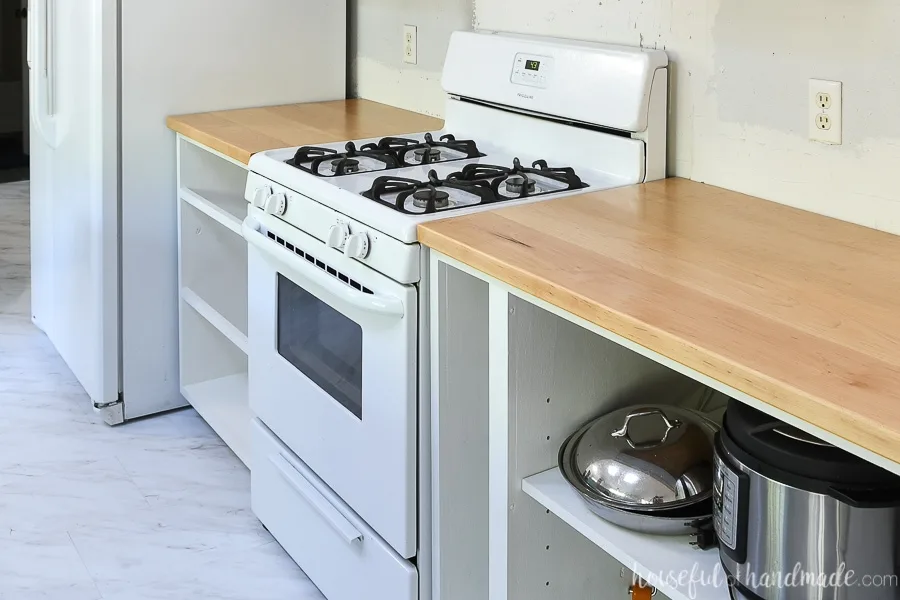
[[215, 318], [213, 264], [649, 556], [224, 404], [227, 209]]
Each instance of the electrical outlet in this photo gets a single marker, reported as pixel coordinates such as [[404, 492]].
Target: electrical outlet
[[826, 111], [410, 44]]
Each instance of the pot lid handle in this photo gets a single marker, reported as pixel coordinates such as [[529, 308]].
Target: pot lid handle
[[623, 432]]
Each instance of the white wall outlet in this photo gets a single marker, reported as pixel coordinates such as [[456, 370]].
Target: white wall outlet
[[826, 108], [410, 44]]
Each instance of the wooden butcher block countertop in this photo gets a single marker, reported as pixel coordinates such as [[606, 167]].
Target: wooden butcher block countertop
[[795, 309], [242, 133]]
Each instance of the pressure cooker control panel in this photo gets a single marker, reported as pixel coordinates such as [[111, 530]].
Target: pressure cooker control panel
[[726, 489]]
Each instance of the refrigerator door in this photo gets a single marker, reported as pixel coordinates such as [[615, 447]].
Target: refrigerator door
[[73, 202]]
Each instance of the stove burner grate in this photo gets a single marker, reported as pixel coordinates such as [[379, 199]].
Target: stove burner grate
[[484, 182], [388, 153], [521, 181], [431, 195], [411, 153], [311, 158]]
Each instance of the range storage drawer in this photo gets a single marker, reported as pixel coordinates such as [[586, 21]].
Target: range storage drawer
[[339, 552]]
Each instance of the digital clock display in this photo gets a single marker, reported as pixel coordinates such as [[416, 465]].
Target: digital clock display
[[532, 65]]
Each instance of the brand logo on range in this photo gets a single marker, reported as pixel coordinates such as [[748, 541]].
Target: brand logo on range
[[526, 96]]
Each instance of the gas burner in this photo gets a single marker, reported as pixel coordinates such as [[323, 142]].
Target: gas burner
[[345, 165], [421, 198], [434, 155], [447, 149], [412, 153], [325, 162], [517, 183], [415, 197], [521, 182]]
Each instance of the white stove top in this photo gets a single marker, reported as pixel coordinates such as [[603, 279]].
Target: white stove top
[[343, 193], [578, 116]]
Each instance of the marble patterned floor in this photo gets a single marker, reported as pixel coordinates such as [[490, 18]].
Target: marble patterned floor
[[156, 509]]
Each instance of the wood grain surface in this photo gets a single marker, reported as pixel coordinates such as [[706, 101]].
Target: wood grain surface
[[795, 309], [242, 133]]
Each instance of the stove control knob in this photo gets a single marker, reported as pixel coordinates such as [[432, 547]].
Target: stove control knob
[[276, 204], [260, 196], [357, 245], [338, 235]]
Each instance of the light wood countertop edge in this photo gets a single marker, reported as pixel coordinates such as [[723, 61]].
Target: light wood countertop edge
[[210, 141], [858, 429], [241, 133]]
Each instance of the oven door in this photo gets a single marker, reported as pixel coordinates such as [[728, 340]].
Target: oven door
[[333, 370]]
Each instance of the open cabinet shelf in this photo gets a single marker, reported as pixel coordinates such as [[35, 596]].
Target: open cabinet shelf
[[649, 556], [215, 318], [229, 209], [214, 271], [223, 403], [511, 382], [212, 257], [214, 380]]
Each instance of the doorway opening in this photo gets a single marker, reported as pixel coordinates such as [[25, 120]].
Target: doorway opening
[[13, 91]]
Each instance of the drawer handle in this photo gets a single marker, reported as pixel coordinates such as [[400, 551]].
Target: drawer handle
[[315, 499]]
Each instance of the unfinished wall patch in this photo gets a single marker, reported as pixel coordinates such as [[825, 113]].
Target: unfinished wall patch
[[738, 90]]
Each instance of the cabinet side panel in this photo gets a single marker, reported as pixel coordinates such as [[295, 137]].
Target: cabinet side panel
[[183, 56], [460, 435]]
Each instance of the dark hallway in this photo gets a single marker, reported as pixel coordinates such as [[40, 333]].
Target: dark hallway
[[13, 91]]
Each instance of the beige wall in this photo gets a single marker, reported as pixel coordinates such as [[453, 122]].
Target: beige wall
[[739, 90], [377, 70]]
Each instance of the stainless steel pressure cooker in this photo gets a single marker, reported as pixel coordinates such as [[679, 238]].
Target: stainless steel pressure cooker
[[798, 518]]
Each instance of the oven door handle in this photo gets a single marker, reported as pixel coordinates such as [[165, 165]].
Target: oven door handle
[[374, 303], [317, 501]]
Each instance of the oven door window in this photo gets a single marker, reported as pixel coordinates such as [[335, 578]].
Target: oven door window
[[321, 343]]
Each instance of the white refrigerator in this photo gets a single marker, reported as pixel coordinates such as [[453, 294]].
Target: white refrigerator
[[104, 74]]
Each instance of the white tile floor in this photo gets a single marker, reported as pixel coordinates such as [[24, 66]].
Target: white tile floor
[[155, 509]]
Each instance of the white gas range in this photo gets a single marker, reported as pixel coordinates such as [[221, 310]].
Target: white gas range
[[337, 328]]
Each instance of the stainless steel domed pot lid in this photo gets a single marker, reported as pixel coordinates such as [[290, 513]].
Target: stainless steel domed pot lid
[[646, 458]]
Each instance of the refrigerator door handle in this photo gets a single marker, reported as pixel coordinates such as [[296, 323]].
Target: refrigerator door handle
[[42, 73], [50, 56], [29, 38]]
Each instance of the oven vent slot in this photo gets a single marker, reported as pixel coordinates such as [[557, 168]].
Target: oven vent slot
[[346, 280]]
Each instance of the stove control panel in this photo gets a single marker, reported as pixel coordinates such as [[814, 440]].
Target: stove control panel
[[531, 70], [338, 235], [276, 204], [395, 259], [358, 245], [260, 195]]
